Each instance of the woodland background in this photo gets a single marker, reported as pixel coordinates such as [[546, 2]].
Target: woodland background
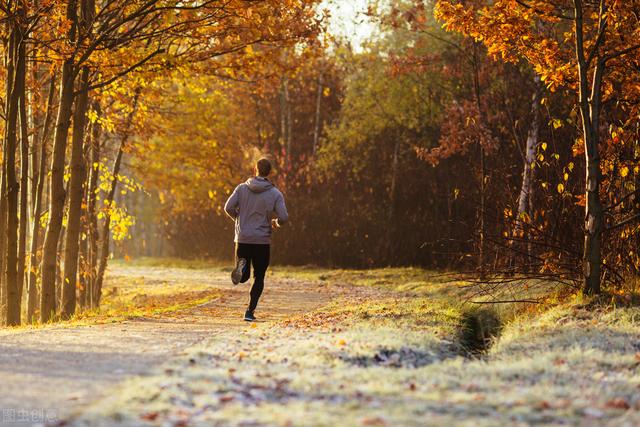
[[495, 138]]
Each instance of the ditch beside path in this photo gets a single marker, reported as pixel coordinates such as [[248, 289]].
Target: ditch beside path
[[53, 372]]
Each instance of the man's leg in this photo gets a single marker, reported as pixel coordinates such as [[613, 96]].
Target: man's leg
[[243, 250], [260, 259]]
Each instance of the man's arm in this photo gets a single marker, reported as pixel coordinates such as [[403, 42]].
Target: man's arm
[[281, 210], [232, 205]]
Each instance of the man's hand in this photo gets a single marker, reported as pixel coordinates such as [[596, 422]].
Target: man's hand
[[274, 224]]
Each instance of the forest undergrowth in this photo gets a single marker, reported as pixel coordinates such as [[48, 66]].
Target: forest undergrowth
[[411, 351]]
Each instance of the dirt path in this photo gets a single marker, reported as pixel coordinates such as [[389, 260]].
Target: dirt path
[[47, 374]]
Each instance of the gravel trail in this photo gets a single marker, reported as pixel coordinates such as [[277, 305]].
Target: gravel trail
[[47, 374]]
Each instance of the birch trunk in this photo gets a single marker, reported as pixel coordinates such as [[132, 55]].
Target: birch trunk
[[524, 200]]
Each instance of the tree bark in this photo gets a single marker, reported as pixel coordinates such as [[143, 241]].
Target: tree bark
[[525, 200], [3, 246], [393, 190], [590, 107], [317, 127], [56, 194], [78, 172], [24, 190], [92, 220], [104, 246], [483, 172], [32, 294], [285, 122], [15, 89]]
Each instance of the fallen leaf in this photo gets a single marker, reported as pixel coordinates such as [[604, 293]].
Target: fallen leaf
[[149, 416], [374, 421], [543, 405], [617, 403]]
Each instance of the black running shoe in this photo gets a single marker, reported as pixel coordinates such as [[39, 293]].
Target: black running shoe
[[236, 274], [249, 317]]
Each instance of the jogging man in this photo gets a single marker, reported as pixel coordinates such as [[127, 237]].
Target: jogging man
[[252, 206]]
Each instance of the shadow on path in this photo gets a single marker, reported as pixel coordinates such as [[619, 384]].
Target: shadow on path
[[60, 369]]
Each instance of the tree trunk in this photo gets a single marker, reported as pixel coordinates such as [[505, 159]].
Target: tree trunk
[[483, 173], [289, 125], [590, 106], [104, 249], [83, 256], [525, 200], [32, 293], [92, 220], [3, 246], [78, 175], [391, 213], [56, 194], [285, 123], [594, 217], [530, 154], [70, 274], [24, 191], [316, 130], [15, 89]]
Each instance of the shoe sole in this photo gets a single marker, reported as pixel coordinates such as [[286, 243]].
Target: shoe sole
[[236, 274], [246, 319]]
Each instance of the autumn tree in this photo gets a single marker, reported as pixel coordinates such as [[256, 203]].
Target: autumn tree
[[75, 54], [585, 47]]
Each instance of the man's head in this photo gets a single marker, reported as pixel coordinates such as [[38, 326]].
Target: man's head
[[263, 167]]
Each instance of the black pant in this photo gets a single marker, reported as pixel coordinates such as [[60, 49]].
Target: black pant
[[258, 256]]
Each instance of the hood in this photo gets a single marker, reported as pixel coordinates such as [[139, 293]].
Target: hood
[[259, 184]]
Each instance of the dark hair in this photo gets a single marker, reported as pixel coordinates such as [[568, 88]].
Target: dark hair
[[264, 167]]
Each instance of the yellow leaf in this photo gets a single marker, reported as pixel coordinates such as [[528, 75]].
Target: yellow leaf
[[560, 188], [544, 146], [624, 171]]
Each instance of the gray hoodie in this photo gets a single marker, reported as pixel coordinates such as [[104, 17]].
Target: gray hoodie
[[252, 205]]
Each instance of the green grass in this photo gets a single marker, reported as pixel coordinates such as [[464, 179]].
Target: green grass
[[192, 264], [387, 351], [372, 370], [127, 296]]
